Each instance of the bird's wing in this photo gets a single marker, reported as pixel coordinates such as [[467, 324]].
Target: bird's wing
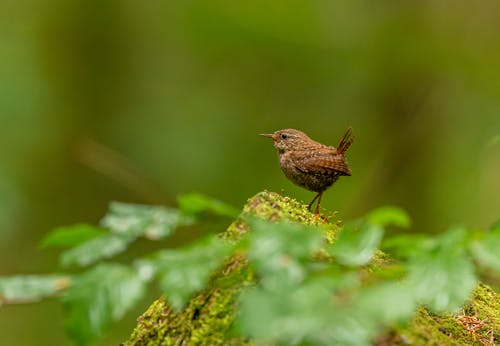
[[324, 163]]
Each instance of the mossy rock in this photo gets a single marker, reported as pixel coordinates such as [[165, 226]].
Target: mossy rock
[[208, 318]]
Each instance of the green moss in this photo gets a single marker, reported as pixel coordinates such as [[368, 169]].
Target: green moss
[[484, 308], [273, 207], [206, 320], [209, 316], [427, 329]]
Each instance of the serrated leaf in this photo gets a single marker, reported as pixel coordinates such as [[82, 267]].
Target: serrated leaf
[[357, 244], [99, 297], [387, 303], [94, 250], [368, 311], [145, 269], [195, 204], [389, 216], [153, 222], [405, 245], [304, 314], [278, 250], [127, 222], [70, 236], [487, 250], [292, 316], [27, 288], [184, 271], [349, 328], [443, 277]]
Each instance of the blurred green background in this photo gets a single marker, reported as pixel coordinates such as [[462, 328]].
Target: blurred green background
[[140, 101]]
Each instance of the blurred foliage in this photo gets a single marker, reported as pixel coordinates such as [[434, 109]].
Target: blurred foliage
[[70, 236], [185, 271], [127, 222], [99, 296], [139, 102], [296, 298]]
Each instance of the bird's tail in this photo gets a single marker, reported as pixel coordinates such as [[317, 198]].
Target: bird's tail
[[346, 141]]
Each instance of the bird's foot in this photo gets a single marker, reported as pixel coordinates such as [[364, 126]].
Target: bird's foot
[[319, 217]]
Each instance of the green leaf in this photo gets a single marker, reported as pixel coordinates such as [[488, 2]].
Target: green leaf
[[279, 250], [366, 311], [291, 316], [305, 314], [127, 222], [350, 328], [443, 276], [135, 220], [487, 250], [184, 271], [28, 288], [405, 245], [94, 250], [389, 215], [357, 244], [98, 297], [195, 204], [387, 303], [70, 236]]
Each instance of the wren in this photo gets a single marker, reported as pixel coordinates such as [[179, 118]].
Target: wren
[[310, 164]]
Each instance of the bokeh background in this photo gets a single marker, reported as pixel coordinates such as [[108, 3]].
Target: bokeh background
[[139, 101]]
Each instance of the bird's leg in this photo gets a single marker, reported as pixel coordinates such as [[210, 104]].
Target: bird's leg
[[316, 211], [310, 204]]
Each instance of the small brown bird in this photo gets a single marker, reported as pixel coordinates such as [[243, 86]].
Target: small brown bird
[[310, 164]]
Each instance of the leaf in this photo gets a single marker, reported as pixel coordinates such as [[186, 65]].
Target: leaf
[[304, 314], [278, 250], [135, 220], [291, 316], [195, 204], [487, 250], [389, 215], [94, 250], [145, 269], [367, 311], [28, 288], [127, 222], [70, 236], [443, 277], [361, 316], [387, 303], [98, 297], [356, 245], [405, 245], [184, 271]]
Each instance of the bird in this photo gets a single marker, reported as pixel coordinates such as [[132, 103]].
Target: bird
[[311, 164]]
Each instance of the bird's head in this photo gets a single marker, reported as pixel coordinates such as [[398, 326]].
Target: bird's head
[[289, 139]]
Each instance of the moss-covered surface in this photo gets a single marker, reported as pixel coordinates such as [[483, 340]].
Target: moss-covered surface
[[206, 320], [209, 316], [273, 207], [478, 323]]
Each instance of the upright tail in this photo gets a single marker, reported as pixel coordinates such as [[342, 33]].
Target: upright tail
[[346, 141]]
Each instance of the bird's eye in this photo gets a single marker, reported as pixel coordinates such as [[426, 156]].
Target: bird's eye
[[284, 136]]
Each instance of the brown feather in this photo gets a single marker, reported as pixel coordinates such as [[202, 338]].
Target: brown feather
[[310, 164], [346, 141], [327, 162]]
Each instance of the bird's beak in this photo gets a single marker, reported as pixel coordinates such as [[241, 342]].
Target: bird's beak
[[268, 135]]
